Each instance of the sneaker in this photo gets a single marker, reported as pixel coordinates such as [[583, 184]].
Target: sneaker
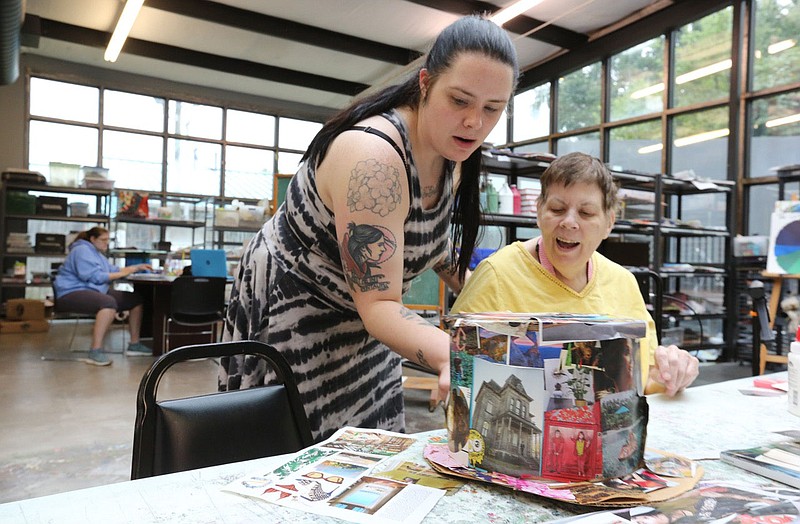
[[137, 349], [97, 357]]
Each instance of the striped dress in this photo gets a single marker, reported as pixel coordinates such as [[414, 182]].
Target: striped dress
[[290, 292]]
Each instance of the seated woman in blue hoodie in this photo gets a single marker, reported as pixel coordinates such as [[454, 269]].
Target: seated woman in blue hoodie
[[82, 286]]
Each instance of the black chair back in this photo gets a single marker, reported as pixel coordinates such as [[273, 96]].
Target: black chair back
[[218, 428], [197, 300]]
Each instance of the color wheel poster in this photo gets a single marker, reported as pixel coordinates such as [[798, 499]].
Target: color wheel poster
[[784, 239]]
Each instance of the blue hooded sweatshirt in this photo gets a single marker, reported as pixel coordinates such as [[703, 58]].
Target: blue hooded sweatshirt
[[84, 268]]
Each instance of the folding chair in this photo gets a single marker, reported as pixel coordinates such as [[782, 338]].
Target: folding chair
[[195, 301], [218, 428]]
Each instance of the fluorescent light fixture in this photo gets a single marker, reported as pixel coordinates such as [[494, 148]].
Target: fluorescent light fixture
[[647, 91], [124, 24], [513, 10], [650, 149], [704, 71], [701, 137], [783, 45], [782, 121]]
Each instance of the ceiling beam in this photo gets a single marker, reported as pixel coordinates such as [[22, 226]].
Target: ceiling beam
[[93, 38], [278, 27], [521, 25]]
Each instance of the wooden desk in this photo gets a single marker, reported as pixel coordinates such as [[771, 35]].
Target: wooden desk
[[696, 424], [774, 303]]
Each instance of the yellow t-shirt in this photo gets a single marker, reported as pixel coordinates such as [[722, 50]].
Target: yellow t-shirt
[[513, 280]]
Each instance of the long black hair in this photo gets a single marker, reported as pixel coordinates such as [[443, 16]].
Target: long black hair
[[468, 34]]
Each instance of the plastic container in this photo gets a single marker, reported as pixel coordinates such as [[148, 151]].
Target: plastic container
[[491, 198], [505, 200], [517, 199], [794, 375], [64, 175], [78, 209]]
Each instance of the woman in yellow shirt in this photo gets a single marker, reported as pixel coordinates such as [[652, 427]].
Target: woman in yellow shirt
[[562, 271]]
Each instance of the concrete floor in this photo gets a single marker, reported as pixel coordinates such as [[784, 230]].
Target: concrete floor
[[66, 425]]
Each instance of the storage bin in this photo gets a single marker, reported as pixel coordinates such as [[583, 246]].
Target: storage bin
[[64, 175], [50, 243], [226, 217], [20, 203], [93, 172], [78, 209], [752, 246], [97, 183], [51, 206], [251, 214]]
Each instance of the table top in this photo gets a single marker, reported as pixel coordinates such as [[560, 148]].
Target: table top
[[698, 424], [151, 277]]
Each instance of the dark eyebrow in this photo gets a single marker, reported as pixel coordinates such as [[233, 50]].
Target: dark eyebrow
[[467, 93]]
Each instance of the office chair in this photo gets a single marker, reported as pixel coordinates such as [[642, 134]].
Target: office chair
[[195, 301], [218, 428]]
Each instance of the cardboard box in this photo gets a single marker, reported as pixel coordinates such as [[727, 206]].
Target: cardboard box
[[24, 326], [24, 309], [555, 396]]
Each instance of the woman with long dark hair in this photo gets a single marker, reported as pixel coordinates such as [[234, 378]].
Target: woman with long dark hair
[[405, 161]]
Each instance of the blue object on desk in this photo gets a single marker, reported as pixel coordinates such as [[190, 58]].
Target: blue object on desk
[[208, 263], [132, 260]]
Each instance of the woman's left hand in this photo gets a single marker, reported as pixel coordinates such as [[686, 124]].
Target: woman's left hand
[[444, 382], [674, 368]]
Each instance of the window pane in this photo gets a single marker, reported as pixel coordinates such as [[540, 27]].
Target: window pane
[[637, 147], [709, 210], [193, 167], [579, 98], [250, 128], [700, 143], [296, 134], [248, 172], [536, 147], [777, 57], [499, 134], [703, 59], [288, 162], [637, 80], [134, 161], [60, 143], [588, 143], [195, 120], [775, 125], [133, 111], [759, 209], [532, 113], [66, 101]]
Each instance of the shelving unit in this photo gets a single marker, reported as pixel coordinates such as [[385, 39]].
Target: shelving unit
[[194, 215], [223, 238], [15, 287], [669, 241]]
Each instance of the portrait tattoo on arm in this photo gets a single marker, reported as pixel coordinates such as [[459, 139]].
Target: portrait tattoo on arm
[[364, 249], [374, 187]]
